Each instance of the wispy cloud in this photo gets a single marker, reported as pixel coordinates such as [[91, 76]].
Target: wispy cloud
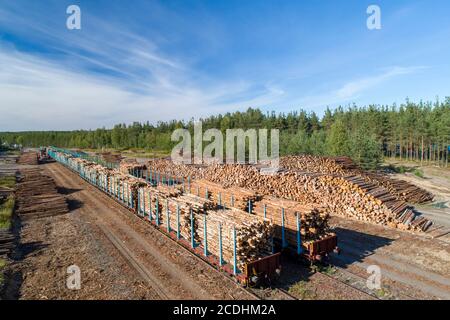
[[353, 88], [36, 94], [92, 80]]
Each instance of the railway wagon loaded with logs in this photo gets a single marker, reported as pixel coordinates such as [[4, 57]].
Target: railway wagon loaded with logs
[[230, 239]]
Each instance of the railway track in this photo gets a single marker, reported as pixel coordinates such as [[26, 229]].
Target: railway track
[[131, 259], [351, 287], [402, 295]]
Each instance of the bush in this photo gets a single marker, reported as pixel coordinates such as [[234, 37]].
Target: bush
[[418, 173], [6, 210], [7, 182]]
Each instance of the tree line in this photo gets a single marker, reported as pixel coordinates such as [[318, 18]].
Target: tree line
[[410, 131]]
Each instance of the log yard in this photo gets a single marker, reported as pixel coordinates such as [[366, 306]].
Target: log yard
[[225, 159]]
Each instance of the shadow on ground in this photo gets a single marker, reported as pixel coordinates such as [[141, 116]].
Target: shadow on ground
[[66, 191], [355, 246]]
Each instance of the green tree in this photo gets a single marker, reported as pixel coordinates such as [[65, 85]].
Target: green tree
[[337, 139]]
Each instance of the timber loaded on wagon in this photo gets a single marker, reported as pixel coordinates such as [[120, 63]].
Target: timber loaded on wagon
[[234, 229]]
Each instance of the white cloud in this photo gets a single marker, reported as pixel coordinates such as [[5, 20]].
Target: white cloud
[[354, 89], [38, 95], [351, 89]]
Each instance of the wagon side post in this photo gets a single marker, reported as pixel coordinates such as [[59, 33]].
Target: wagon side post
[[192, 229], [178, 221], [167, 215], [234, 252], [299, 240], [220, 245], [205, 235], [150, 206], [283, 236], [157, 211]]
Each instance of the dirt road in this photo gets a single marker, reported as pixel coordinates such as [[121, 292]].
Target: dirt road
[[120, 256]]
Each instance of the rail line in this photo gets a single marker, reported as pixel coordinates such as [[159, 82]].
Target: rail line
[[354, 275], [348, 285], [130, 258]]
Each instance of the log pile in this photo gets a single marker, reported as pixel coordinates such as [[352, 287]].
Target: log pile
[[109, 157], [349, 196], [28, 158], [125, 185], [313, 220], [232, 197], [339, 165], [178, 170], [6, 241], [37, 196], [344, 166], [128, 166], [402, 190], [253, 234], [164, 202]]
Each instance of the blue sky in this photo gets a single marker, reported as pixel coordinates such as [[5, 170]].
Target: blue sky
[[160, 60]]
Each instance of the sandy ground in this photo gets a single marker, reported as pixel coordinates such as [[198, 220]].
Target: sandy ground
[[437, 181]]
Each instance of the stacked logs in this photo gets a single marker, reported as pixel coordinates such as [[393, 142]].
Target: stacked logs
[[165, 201], [109, 157], [339, 165], [6, 241], [128, 167], [253, 234], [126, 186], [348, 196], [313, 221], [28, 158], [233, 197], [37, 196], [179, 170], [344, 166], [402, 190]]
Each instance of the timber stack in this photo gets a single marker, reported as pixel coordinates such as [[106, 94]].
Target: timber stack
[[402, 190], [253, 234], [128, 166], [6, 241], [313, 220], [179, 170], [37, 196], [28, 158], [232, 197], [349, 196], [110, 157], [335, 165]]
